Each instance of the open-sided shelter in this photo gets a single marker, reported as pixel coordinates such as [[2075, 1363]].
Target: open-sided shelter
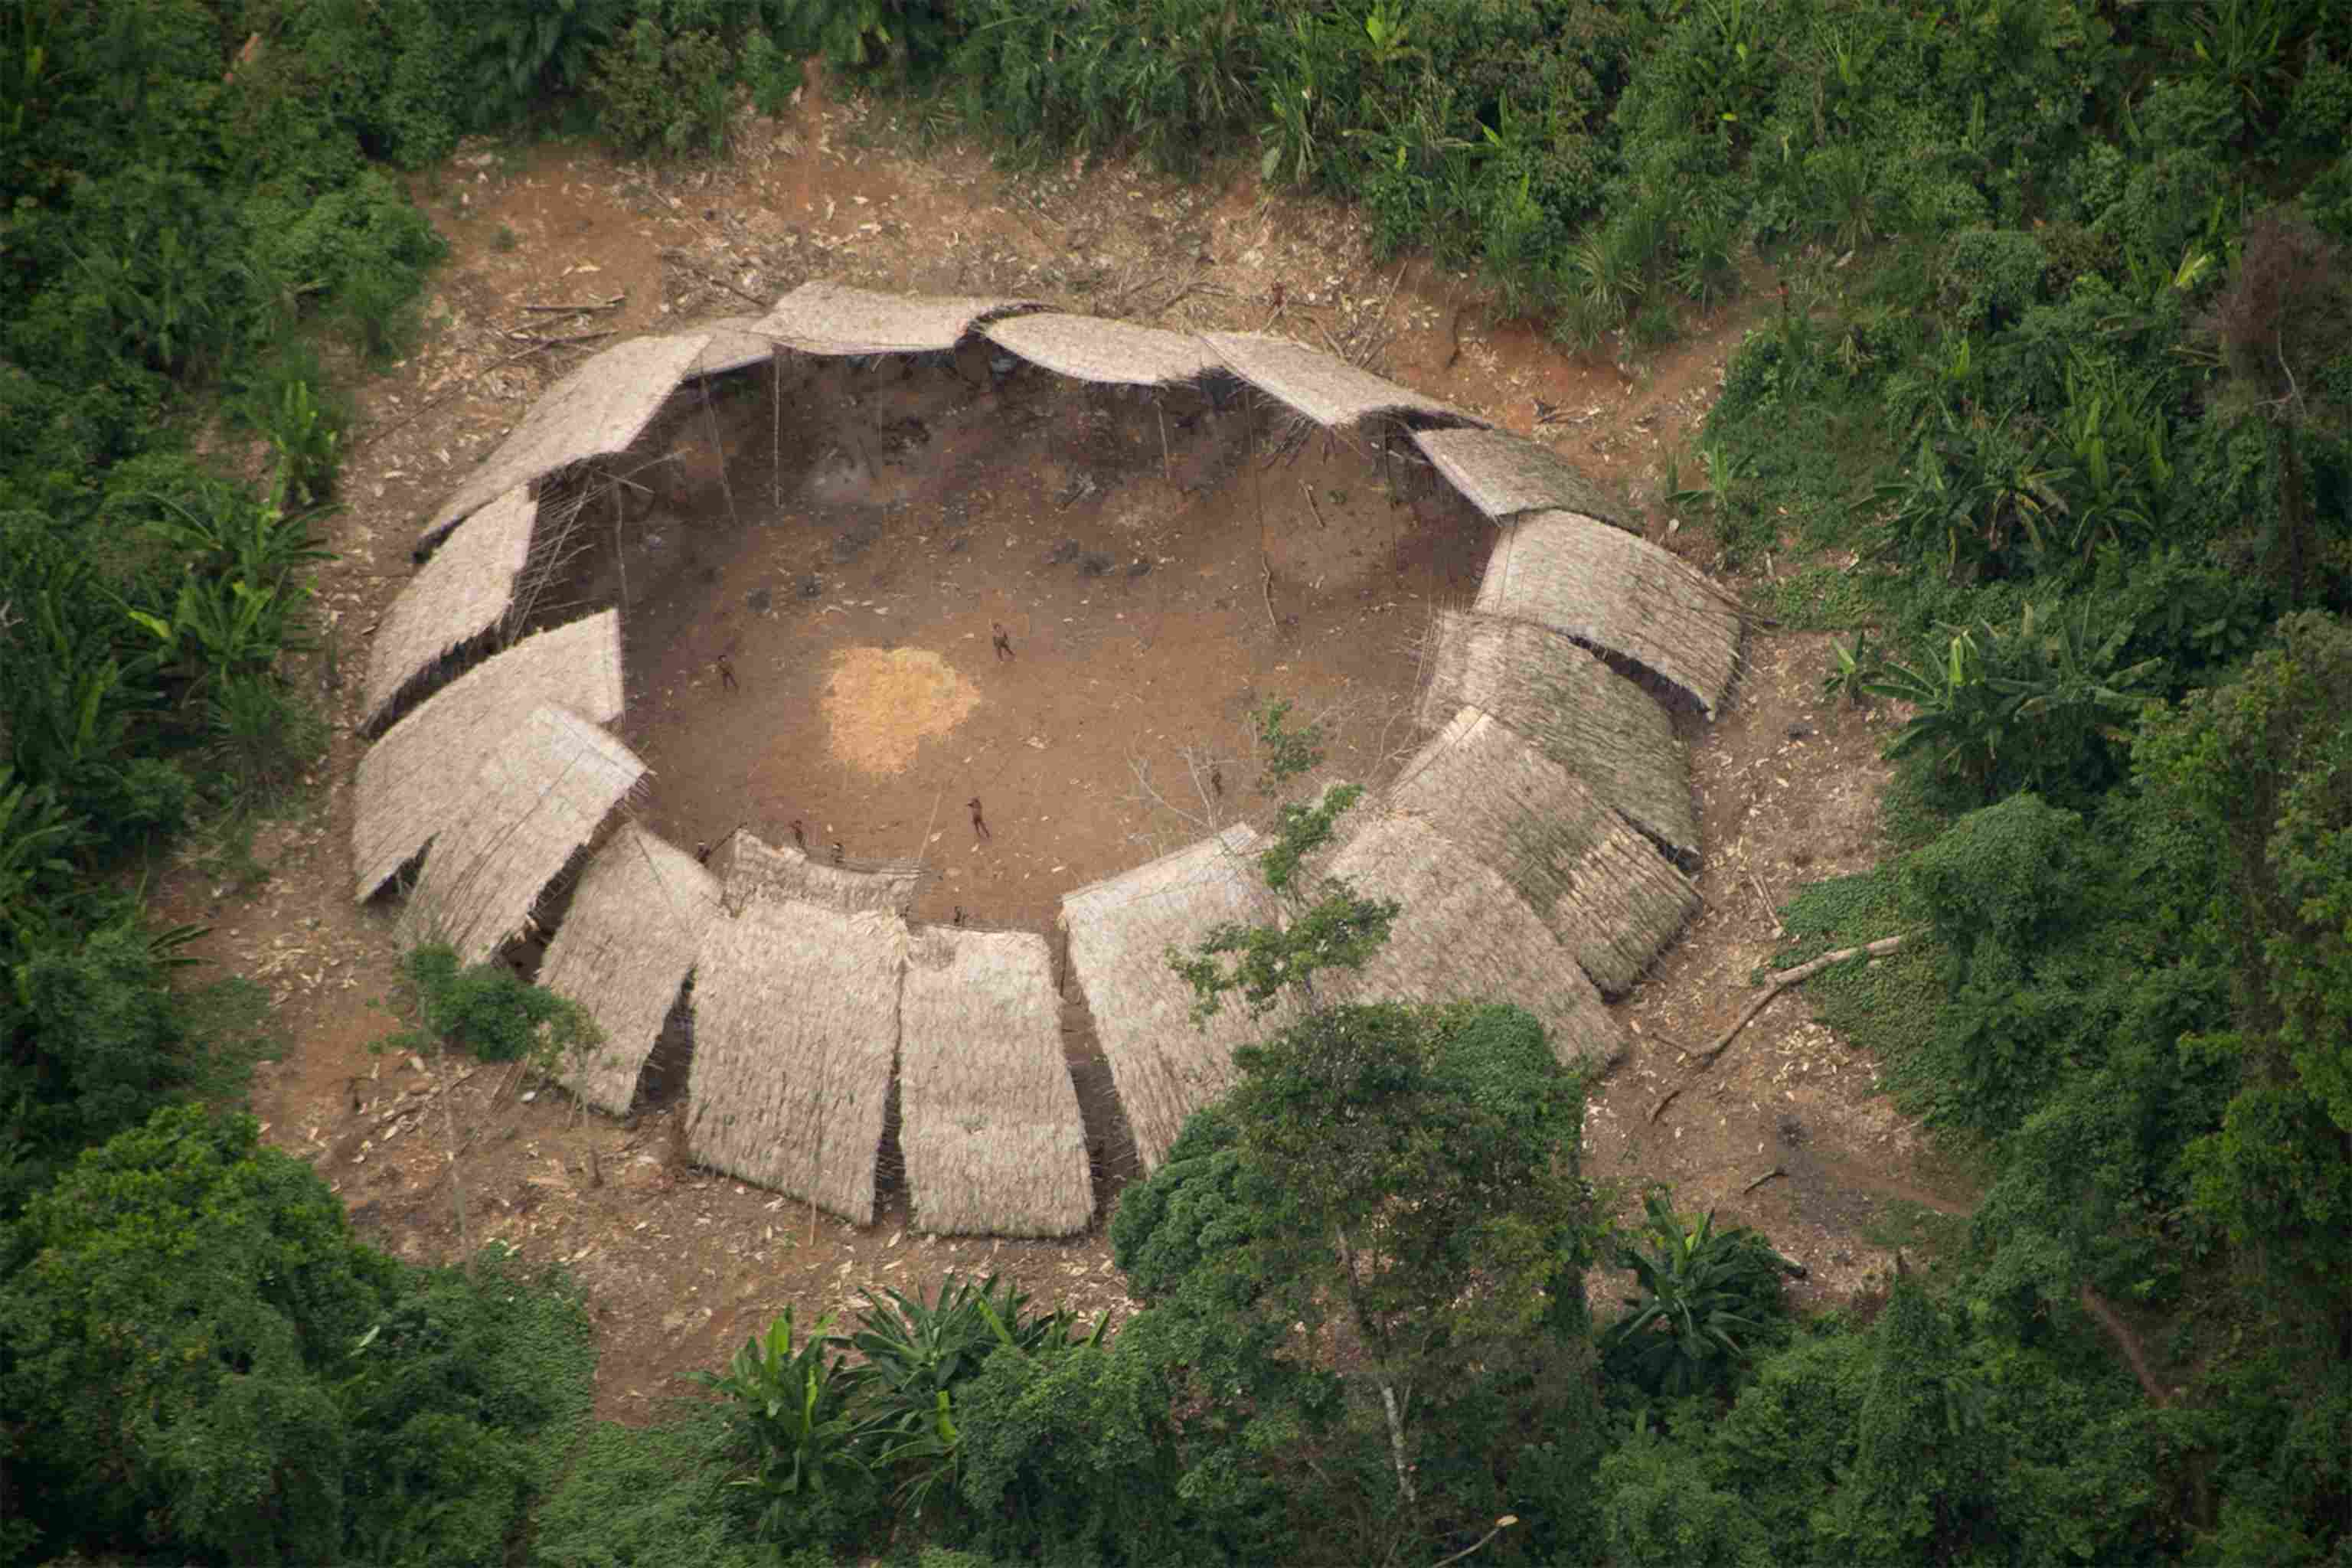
[[1504, 474], [1463, 934], [624, 949], [988, 1119], [595, 411], [1574, 708], [1120, 930], [537, 797], [1606, 891], [463, 594], [412, 783], [1325, 388], [796, 1031], [1624, 596], [749, 868], [1086, 348], [827, 318]]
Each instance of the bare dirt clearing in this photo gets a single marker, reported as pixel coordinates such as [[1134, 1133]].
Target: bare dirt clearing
[[683, 1265]]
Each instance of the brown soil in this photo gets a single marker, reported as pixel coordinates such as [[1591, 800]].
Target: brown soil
[[1081, 746]]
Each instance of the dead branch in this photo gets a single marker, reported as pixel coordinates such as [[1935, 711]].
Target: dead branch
[[612, 304], [1782, 979], [1666, 1099], [670, 253], [518, 335], [1775, 1171], [1501, 1525]]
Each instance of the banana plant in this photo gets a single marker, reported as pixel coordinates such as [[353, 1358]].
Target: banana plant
[[792, 1407], [1694, 1318]]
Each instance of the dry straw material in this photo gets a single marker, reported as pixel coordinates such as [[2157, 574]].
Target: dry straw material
[[988, 1119], [410, 783], [1502, 475], [1325, 389], [1573, 708], [1163, 1066], [1119, 353], [825, 318], [598, 409], [795, 1029], [750, 868], [736, 343], [1604, 890], [1601, 586], [541, 793], [624, 948], [1464, 934], [461, 593]]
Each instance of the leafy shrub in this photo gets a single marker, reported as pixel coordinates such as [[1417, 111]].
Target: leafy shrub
[[493, 1012], [651, 1498], [662, 91]]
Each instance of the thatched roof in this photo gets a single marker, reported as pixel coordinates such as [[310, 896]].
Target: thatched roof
[[735, 343], [464, 591], [625, 946], [826, 318], [1086, 348], [1576, 709], [599, 409], [1504, 474], [1604, 890], [538, 796], [988, 1119], [407, 788], [795, 1026], [1327, 389], [1464, 934], [1601, 586], [750, 868], [1119, 933]]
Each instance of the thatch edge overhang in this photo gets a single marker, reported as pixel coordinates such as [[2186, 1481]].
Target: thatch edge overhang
[[749, 868], [1463, 934], [541, 794], [597, 410], [1577, 710], [796, 1038], [736, 343], [1606, 588], [1165, 1067], [624, 949], [989, 1122], [408, 786], [1504, 474], [1612, 901], [1104, 352], [1323, 387], [462, 593], [836, 320]]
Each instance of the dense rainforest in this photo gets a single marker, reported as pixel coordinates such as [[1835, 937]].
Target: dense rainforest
[[2054, 416]]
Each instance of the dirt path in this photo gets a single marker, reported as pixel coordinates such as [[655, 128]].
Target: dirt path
[[683, 1264]]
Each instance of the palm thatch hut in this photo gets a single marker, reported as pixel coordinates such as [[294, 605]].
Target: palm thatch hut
[[625, 947], [750, 868], [795, 1029], [1573, 708], [736, 343], [1163, 1066], [1604, 890], [1503, 474], [1623, 595], [597, 410], [826, 318], [1325, 389], [1464, 934], [1086, 348], [541, 794], [987, 1118], [405, 794], [464, 592]]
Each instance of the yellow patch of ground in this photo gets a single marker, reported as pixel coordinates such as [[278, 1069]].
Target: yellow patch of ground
[[882, 704]]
